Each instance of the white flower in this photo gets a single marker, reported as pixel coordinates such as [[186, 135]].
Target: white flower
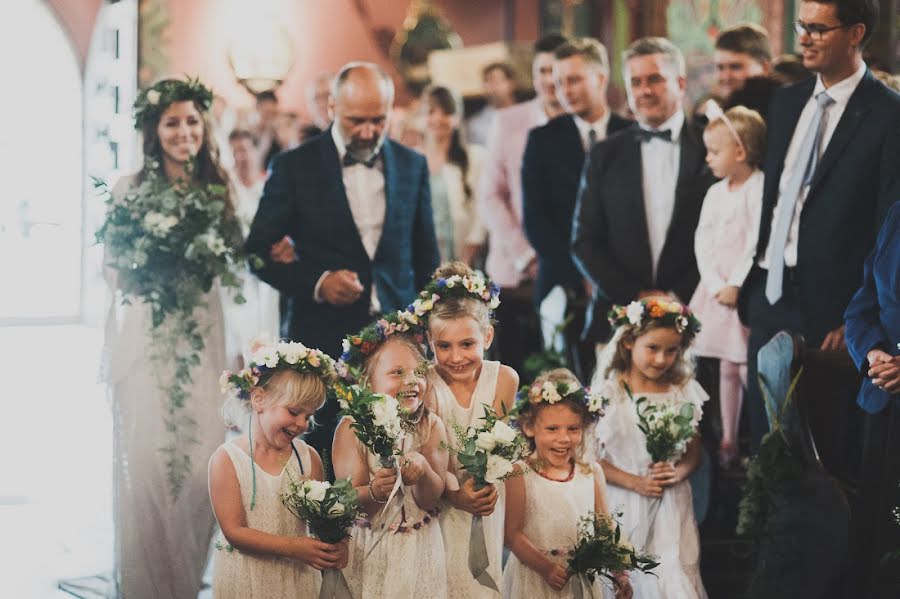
[[549, 392], [485, 441], [315, 490], [157, 224], [497, 468], [216, 244], [266, 355], [494, 303], [345, 345], [452, 281], [224, 383], [293, 352], [343, 403], [337, 509], [503, 433], [681, 324], [596, 403], [385, 413], [635, 313], [153, 97]]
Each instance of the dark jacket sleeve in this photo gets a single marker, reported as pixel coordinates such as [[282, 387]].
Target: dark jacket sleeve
[[590, 243], [274, 219], [425, 252], [537, 212]]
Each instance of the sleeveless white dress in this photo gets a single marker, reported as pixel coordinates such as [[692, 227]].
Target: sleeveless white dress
[[456, 524], [552, 510], [675, 536], [161, 544], [239, 575], [409, 560]]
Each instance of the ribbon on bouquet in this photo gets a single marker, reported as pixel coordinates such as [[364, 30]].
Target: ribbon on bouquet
[[391, 508], [582, 587], [478, 556], [334, 585], [651, 521]]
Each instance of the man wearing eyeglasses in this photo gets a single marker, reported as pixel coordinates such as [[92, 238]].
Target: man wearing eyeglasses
[[831, 173]]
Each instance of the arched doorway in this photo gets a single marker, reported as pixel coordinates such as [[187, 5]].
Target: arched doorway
[[41, 167]]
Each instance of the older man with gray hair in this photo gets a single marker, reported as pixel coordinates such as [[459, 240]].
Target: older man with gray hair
[[358, 206], [641, 193]]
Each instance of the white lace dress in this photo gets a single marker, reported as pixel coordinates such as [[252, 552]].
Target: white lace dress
[[409, 560], [675, 536], [552, 510], [238, 575], [161, 544], [456, 524]]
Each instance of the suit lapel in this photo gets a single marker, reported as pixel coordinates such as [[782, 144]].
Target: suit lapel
[[689, 157], [333, 182], [856, 110], [572, 139], [631, 164], [389, 162]]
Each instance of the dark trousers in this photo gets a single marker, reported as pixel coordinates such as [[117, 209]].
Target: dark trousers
[[581, 353], [517, 332], [875, 531]]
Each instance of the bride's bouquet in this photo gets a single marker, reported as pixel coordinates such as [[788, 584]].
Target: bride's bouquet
[[329, 511], [167, 243], [600, 551], [487, 453]]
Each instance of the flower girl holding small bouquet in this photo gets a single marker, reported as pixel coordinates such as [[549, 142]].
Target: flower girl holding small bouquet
[[648, 442], [559, 488], [389, 444], [456, 309], [265, 551]]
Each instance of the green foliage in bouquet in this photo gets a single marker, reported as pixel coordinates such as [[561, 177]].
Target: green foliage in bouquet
[[776, 462], [667, 431], [328, 509], [549, 358], [488, 452], [601, 552], [168, 243], [378, 419]]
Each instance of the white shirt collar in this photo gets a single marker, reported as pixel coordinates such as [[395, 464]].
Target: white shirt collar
[[841, 91], [338, 141], [675, 124], [599, 125], [540, 115]]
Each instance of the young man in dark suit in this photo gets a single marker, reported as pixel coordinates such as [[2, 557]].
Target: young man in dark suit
[[641, 193], [551, 168], [358, 207]]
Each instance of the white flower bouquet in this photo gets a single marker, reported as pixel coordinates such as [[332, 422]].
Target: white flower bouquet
[[329, 511], [489, 452], [377, 420]]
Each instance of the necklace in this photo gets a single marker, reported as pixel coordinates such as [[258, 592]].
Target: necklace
[[559, 480]]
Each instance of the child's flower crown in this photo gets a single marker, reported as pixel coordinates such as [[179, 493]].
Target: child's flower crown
[[555, 391], [669, 312], [358, 347], [151, 102], [268, 358], [476, 286]]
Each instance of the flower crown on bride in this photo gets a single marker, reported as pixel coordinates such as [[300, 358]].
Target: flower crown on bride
[[668, 312], [266, 359], [151, 102]]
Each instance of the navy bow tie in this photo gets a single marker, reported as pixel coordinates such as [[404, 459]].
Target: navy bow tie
[[350, 160], [648, 134]]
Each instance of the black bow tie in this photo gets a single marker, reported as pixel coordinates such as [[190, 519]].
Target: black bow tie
[[350, 160], [648, 134]]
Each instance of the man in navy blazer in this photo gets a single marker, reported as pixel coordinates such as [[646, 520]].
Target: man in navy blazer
[[641, 193], [848, 184], [551, 168], [358, 208]]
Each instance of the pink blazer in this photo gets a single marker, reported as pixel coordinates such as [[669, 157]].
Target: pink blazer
[[499, 193]]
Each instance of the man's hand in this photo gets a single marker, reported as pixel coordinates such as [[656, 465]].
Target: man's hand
[[283, 251], [651, 293], [340, 287], [531, 270], [834, 340], [728, 295]]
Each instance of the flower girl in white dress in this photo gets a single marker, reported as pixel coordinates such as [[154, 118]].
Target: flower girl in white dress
[[407, 561], [558, 487], [649, 353], [464, 385], [264, 551]]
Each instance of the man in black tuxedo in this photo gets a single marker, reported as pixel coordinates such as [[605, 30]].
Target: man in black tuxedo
[[831, 174], [641, 193], [358, 207], [551, 168]]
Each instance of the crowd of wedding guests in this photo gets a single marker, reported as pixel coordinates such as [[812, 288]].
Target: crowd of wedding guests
[[769, 207]]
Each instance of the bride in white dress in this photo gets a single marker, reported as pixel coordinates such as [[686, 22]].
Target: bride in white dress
[[162, 538]]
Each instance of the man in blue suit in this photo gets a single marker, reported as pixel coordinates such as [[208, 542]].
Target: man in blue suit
[[358, 207], [831, 175]]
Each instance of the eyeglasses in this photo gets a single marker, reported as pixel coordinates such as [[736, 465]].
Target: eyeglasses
[[814, 30]]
